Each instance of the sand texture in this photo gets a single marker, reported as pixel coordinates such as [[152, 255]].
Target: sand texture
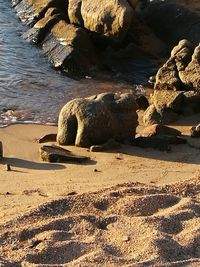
[[125, 225], [127, 207]]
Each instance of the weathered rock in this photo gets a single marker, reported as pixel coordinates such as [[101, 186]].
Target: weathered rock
[[195, 131], [109, 18], [182, 69], [190, 76], [74, 12], [95, 120], [1, 150], [164, 99], [151, 116], [58, 154], [158, 129], [109, 145], [47, 138]]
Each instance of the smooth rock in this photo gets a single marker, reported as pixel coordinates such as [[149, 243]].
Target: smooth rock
[[96, 119], [47, 138]]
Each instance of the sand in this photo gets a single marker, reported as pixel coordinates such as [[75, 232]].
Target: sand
[[131, 207]]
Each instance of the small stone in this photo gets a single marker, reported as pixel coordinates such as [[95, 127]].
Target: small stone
[[126, 238], [8, 168], [1, 150]]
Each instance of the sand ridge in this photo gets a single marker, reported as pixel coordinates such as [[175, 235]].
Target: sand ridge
[[131, 224]]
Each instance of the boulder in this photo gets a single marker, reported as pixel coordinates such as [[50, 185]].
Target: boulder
[[1, 150], [158, 129], [108, 18], [181, 71], [165, 100], [94, 120], [151, 116], [59, 154]]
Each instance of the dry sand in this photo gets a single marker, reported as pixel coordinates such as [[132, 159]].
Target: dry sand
[[151, 219]]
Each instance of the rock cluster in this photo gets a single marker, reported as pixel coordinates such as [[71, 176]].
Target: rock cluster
[[94, 120], [168, 105], [182, 69]]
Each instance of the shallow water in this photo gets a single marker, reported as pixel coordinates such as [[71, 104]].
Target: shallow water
[[31, 91]]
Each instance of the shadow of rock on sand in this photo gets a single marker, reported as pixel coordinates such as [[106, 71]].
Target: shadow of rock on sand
[[21, 163], [179, 153]]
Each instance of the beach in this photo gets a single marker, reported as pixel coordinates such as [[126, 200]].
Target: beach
[[32, 184]]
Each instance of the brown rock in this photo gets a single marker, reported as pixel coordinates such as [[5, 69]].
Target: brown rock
[[111, 144], [47, 138], [158, 129], [96, 119], [58, 154]]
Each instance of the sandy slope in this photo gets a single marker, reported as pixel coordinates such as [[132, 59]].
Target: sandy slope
[[133, 224]]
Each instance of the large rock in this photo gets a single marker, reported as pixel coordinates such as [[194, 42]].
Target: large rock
[[109, 18], [173, 20], [182, 69], [94, 120]]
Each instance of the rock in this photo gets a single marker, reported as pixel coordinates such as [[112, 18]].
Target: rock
[[58, 154], [96, 119], [142, 102], [47, 138], [164, 100], [158, 129], [152, 116], [160, 142], [181, 71], [74, 12], [152, 142], [190, 76], [108, 18], [1, 150], [109, 145], [173, 20], [195, 131]]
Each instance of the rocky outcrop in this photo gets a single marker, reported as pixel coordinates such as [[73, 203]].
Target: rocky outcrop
[[94, 120], [168, 105], [182, 69]]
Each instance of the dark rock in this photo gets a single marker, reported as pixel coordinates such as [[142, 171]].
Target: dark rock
[[173, 20], [191, 103], [158, 129], [142, 102], [152, 142], [1, 150], [58, 154], [195, 131], [47, 138], [96, 119], [111, 144]]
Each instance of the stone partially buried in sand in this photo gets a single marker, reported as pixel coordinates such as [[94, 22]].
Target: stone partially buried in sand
[[1, 150], [158, 129], [96, 119], [59, 154]]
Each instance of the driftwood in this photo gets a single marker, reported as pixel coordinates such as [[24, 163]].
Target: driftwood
[[58, 154]]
